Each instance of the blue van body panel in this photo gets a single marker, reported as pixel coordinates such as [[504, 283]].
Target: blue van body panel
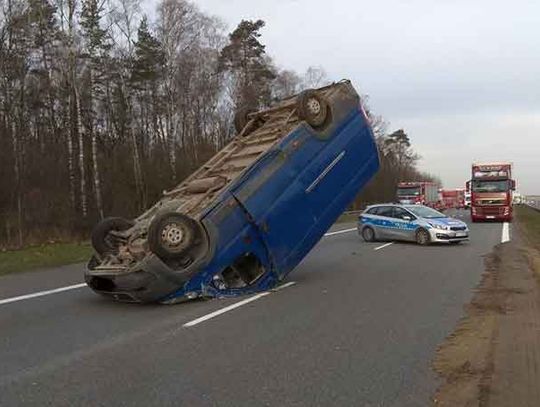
[[265, 221], [282, 206]]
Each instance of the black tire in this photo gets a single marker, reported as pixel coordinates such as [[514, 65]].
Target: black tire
[[172, 235], [368, 234], [241, 118], [101, 241], [422, 237], [313, 108]]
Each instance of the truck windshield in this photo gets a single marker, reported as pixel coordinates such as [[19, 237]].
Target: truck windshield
[[408, 191], [425, 212], [490, 186]]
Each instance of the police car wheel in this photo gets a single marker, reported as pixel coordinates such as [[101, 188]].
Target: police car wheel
[[368, 235], [422, 237]]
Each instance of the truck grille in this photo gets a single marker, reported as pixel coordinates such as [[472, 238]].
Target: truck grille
[[491, 202], [491, 211]]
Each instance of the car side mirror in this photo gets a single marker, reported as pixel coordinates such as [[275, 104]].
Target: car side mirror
[[406, 218]]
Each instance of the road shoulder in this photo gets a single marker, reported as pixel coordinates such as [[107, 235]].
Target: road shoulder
[[491, 357]]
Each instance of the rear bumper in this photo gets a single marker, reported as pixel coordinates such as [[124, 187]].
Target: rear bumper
[[150, 280]]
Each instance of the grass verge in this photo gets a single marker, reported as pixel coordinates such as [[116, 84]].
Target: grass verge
[[348, 218], [530, 220], [44, 256]]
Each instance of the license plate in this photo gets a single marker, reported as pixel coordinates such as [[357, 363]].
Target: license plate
[[461, 234], [490, 217]]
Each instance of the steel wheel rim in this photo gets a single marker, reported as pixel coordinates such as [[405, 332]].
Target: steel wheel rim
[[368, 234], [172, 235], [314, 106]]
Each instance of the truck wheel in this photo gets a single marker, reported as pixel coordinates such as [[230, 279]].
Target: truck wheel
[[422, 237], [172, 235], [241, 118], [102, 242], [368, 234], [312, 108]]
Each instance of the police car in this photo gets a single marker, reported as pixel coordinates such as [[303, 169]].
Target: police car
[[416, 223]]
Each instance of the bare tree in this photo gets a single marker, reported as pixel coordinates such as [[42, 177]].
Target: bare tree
[[101, 109]]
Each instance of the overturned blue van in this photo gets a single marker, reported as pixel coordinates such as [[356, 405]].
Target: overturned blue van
[[248, 216]]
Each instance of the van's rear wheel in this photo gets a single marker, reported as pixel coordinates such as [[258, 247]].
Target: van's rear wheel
[[313, 108], [422, 237], [102, 240], [241, 119], [172, 235]]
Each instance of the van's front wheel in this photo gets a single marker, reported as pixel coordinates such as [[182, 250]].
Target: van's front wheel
[[102, 239]]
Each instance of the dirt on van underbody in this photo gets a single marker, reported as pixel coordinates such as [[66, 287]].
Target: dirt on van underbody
[[493, 356]]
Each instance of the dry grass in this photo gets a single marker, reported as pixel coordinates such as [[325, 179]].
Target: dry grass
[[529, 221], [40, 257]]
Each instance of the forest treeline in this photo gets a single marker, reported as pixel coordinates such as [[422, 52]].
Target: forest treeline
[[102, 109]]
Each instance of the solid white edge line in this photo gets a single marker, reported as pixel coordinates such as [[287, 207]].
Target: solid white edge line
[[383, 246], [505, 235], [281, 287], [73, 287], [235, 305], [41, 293], [339, 232], [224, 310]]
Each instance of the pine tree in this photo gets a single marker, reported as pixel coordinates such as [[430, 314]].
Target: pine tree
[[245, 57], [149, 56]]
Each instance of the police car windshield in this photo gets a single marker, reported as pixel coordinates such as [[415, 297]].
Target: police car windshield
[[425, 212]]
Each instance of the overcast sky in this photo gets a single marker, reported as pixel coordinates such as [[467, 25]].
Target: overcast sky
[[462, 77]]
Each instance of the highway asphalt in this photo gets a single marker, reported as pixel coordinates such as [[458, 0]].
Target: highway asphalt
[[358, 328]]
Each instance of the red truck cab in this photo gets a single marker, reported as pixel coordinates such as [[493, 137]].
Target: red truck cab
[[418, 192], [491, 189]]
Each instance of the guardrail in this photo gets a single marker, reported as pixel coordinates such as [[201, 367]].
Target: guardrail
[[357, 212], [533, 202]]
